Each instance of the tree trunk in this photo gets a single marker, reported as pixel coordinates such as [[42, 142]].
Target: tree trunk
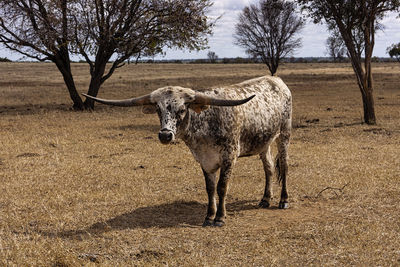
[[64, 66], [76, 99], [367, 93], [95, 82], [364, 81], [364, 76], [368, 105], [272, 71], [274, 68]]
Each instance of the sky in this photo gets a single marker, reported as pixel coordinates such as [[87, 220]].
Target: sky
[[222, 41], [313, 36]]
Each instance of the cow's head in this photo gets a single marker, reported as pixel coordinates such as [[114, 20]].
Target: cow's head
[[172, 105]]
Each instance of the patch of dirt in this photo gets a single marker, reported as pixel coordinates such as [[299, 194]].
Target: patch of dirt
[[146, 254], [28, 155], [326, 130], [378, 131], [312, 121], [140, 167], [341, 124]]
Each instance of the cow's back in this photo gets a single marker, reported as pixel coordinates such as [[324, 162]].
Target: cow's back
[[253, 124]]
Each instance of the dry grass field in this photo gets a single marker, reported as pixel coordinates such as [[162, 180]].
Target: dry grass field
[[97, 188]]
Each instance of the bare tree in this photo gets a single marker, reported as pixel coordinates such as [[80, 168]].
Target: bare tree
[[121, 29], [364, 17], [212, 56], [335, 47], [394, 51], [101, 31], [268, 30]]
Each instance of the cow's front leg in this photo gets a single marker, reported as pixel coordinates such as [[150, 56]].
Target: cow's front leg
[[222, 189], [210, 178]]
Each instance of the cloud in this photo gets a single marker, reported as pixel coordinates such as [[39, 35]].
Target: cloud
[[231, 5]]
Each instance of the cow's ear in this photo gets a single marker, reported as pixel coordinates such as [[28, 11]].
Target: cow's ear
[[198, 108], [149, 109]]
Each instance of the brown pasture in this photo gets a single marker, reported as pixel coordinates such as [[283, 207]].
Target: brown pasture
[[97, 188]]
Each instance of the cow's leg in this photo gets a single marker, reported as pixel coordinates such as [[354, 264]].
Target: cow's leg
[[282, 166], [211, 188], [222, 189], [268, 169]]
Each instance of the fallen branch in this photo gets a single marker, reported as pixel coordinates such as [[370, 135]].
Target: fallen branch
[[334, 190]]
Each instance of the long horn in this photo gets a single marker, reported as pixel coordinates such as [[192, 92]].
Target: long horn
[[138, 101], [206, 100]]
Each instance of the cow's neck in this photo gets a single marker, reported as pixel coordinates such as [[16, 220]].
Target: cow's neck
[[187, 129]]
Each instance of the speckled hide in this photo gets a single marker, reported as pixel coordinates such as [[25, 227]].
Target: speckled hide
[[217, 136], [221, 125]]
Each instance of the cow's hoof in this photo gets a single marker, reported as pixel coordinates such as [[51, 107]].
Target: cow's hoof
[[283, 205], [219, 223], [263, 204], [208, 222]]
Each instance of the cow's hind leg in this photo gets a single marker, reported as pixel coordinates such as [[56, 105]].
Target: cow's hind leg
[[268, 169], [282, 166], [211, 188]]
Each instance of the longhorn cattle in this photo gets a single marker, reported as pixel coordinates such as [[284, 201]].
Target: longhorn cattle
[[222, 124]]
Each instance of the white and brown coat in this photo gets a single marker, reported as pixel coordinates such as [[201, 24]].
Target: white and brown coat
[[218, 129]]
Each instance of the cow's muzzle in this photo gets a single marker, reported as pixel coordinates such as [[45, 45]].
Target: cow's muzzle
[[166, 136]]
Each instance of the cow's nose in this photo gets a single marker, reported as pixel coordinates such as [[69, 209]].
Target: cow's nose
[[165, 136]]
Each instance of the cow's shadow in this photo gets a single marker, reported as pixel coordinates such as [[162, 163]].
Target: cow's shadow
[[170, 215]]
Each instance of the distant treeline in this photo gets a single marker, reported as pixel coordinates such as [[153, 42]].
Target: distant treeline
[[237, 60], [240, 60]]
